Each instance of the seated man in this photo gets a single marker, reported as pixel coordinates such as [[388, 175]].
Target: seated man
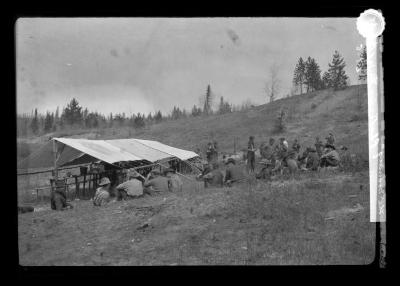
[[102, 195], [266, 169], [312, 159], [213, 177], [330, 158], [233, 173], [131, 188], [155, 183], [58, 200], [174, 183]]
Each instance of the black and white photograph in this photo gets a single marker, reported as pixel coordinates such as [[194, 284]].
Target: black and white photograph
[[174, 141]]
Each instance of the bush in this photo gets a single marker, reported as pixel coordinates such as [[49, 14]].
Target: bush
[[313, 106]]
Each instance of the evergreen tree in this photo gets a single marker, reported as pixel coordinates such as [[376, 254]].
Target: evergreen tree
[[325, 80], [312, 75], [299, 74], [362, 64], [196, 111], [48, 122], [158, 117], [72, 114], [35, 123], [224, 107], [139, 121], [176, 113], [208, 101], [337, 75]]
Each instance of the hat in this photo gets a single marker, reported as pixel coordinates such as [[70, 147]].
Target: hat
[[230, 160], [104, 181]]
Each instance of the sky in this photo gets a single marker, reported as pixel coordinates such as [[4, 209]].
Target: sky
[[143, 65]]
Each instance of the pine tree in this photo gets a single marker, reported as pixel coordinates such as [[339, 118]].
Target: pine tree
[[139, 121], [299, 74], [208, 101], [362, 64], [48, 122], [35, 123], [337, 75], [196, 111], [158, 117], [325, 80], [312, 75], [224, 107], [72, 114]]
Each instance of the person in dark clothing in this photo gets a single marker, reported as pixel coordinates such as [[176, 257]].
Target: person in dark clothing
[[234, 174], [312, 159], [251, 155], [210, 153], [330, 158], [296, 146], [58, 201]]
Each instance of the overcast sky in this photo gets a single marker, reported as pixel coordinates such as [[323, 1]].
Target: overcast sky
[[145, 64]]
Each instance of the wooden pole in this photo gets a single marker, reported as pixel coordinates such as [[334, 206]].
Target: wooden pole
[[55, 171]]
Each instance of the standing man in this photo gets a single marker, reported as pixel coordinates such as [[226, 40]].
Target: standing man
[[251, 154], [318, 146], [210, 152]]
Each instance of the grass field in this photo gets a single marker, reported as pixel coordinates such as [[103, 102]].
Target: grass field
[[317, 218], [313, 218]]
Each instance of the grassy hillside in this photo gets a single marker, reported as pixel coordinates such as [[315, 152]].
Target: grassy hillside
[[310, 115]]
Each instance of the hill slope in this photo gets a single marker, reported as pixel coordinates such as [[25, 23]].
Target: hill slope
[[344, 113]]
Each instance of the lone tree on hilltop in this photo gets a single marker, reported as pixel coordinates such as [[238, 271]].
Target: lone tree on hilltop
[[337, 75], [272, 85]]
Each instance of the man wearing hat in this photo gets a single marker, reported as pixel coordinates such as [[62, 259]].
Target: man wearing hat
[[155, 182], [102, 195], [233, 173], [331, 157], [312, 161], [131, 188]]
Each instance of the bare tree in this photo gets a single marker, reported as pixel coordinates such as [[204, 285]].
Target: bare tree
[[273, 84]]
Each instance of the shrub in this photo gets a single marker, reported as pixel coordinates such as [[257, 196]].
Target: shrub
[[313, 106]]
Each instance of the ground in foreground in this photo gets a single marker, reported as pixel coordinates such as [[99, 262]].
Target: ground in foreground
[[315, 219]]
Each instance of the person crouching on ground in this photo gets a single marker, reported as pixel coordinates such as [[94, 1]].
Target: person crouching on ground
[[233, 173], [132, 188], [330, 158], [58, 200], [213, 177], [174, 182], [102, 195], [155, 183]]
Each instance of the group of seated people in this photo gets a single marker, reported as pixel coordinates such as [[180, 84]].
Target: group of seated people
[[136, 186], [214, 177], [323, 155]]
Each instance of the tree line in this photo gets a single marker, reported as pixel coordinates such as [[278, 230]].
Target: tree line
[[75, 116], [307, 75]]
